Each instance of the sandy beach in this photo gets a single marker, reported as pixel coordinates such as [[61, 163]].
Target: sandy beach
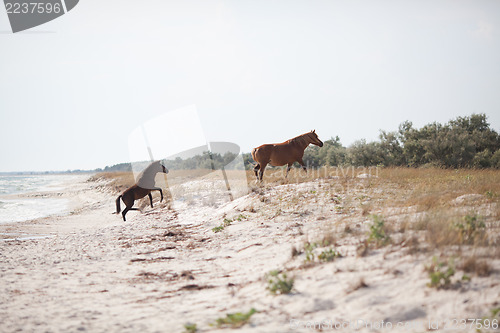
[[166, 267]]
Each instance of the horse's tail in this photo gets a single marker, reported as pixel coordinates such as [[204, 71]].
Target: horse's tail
[[118, 209], [253, 154]]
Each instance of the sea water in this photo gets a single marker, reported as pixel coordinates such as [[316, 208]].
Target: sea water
[[14, 208]]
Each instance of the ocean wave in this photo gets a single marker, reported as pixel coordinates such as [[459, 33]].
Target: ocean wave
[[15, 210], [23, 210]]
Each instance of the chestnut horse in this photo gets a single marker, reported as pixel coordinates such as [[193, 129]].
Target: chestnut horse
[[143, 187], [287, 152]]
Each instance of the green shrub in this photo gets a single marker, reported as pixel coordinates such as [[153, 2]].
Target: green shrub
[[470, 227], [377, 232], [328, 255], [235, 320], [462, 142], [218, 228], [279, 283], [440, 274], [309, 251], [495, 159], [227, 222], [190, 328]]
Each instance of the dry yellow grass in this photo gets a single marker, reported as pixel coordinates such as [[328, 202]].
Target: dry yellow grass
[[433, 187], [120, 181], [428, 188], [117, 181], [430, 192], [475, 265]]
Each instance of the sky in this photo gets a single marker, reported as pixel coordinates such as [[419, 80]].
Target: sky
[[73, 90]]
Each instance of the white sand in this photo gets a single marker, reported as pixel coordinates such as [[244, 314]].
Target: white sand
[[164, 268]]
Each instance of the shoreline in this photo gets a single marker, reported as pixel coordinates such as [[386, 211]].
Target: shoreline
[[164, 268], [79, 194]]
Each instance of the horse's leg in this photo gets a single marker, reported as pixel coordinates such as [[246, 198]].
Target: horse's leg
[[161, 192], [128, 200], [288, 169], [126, 210], [256, 170], [301, 162], [261, 172], [150, 199]]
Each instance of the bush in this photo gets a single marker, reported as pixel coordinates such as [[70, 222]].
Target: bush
[[463, 142], [279, 283], [329, 255], [190, 328], [378, 233], [440, 274], [235, 320], [470, 228], [495, 160]]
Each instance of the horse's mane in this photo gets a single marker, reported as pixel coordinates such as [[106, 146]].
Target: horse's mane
[[300, 139], [146, 177]]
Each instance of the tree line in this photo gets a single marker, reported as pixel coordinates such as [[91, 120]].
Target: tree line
[[464, 142]]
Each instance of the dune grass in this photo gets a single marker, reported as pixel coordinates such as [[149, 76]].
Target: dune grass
[[117, 182], [367, 192]]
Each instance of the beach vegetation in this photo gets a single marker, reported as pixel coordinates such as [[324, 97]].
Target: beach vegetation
[[190, 328], [440, 273], [328, 255], [378, 234], [234, 320], [470, 227], [279, 282]]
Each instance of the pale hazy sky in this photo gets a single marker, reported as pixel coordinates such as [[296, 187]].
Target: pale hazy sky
[[72, 90]]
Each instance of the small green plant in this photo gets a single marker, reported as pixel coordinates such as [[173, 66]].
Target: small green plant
[[279, 283], [227, 222], [377, 232], [339, 209], [234, 320], [328, 255], [491, 194], [190, 328], [470, 227], [218, 229], [440, 274], [309, 251], [240, 217]]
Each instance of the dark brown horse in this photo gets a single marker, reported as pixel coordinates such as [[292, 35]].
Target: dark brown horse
[[287, 152], [143, 187]]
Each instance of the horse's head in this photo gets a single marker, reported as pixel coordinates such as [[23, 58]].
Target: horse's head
[[314, 139], [157, 166], [163, 168], [146, 178]]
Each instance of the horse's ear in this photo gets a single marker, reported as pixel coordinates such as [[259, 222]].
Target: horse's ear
[[314, 131]]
